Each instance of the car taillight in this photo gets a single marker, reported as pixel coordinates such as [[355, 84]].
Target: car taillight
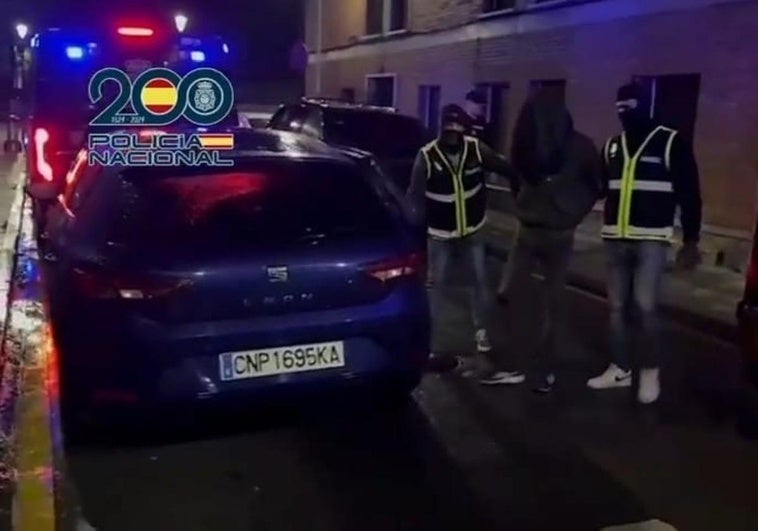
[[413, 265], [98, 285], [41, 139], [135, 31]]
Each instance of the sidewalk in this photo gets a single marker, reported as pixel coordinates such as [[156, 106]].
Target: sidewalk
[[9, 218], [705, 299]]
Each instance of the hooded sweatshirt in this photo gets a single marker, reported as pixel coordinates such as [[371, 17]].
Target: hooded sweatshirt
[[561, 171]]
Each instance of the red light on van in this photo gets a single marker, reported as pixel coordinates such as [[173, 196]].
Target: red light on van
[[131, 31], [41, 139]]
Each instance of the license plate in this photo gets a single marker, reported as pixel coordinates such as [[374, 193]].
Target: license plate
[[281, 360]]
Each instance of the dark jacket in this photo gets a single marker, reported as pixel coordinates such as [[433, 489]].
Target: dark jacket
[[560, 169]]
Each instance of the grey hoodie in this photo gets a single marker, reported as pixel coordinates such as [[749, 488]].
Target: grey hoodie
[[560, 168]]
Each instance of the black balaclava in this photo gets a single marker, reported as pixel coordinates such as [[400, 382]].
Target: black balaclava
[[453, 125], [633, 105]]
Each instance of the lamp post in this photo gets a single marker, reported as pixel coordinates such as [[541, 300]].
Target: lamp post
[[181, 22], [12, 143]]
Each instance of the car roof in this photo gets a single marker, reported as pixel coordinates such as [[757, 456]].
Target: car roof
[[268, 142], [327, 103]]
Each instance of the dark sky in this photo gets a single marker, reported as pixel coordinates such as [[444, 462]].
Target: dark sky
[[261, 32]]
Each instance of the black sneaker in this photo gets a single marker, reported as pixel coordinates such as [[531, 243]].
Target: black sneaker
[[545, 385]]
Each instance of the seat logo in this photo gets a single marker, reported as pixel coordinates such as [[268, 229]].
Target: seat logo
[[277, 274]]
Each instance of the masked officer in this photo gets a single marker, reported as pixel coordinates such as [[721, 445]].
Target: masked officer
[[448, 191], [648, 170]]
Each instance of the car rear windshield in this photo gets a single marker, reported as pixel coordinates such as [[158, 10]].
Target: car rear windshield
[[382, 133], [265, 203]]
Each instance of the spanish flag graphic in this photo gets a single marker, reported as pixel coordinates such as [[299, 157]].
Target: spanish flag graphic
[[217, 141], [159, 96]]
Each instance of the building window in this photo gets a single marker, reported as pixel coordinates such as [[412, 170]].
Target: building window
[[674, 100], [496, 113], [380, 90], [374, 17], [491, 6], [398, 14], [429, 107], [386, 16]]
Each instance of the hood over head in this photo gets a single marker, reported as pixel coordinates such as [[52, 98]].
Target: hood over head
[[543, 130]]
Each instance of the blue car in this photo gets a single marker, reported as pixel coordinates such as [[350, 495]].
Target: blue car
[[294, 270]]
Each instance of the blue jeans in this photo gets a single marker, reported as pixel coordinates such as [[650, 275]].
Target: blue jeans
[[635, 269], [472, 253], [552, 250]]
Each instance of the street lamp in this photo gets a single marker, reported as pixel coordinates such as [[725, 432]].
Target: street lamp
[[22, 30], [181, 22], [12, 143]]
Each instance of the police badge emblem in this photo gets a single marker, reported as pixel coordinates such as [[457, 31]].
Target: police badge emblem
[[205, 97]]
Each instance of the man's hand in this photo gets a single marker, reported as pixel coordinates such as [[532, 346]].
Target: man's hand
[[688, 257]]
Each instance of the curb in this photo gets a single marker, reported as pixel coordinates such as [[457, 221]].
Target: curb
[[32, 435], [707, 325]]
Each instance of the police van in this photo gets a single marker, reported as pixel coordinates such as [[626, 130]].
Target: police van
[[61, 63]]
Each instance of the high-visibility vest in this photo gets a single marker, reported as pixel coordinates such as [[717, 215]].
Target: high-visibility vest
[[455, 197], [640, 204]]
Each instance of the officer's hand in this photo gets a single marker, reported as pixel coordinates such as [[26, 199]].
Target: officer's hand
[[688, 257]]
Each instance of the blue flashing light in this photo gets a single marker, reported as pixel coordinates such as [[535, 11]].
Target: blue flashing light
[[226, 48], [197, 56], [74, 52]]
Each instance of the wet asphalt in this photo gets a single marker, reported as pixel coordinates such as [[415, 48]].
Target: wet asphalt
[[456, 456]]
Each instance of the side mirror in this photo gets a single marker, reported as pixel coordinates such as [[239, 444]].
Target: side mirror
[[43, 191]]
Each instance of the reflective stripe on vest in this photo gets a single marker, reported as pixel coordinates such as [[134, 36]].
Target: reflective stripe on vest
[[460, 210], [447, 235], [459, 181], [450, 198], [629, 184]]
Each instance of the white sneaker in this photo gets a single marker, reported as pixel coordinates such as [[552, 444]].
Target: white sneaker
[[503, 378], [613, 377], [650, 386], [482, 341]]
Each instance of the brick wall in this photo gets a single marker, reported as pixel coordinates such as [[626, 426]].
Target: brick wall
[[717, 42], [428, 15], [344, 22]]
